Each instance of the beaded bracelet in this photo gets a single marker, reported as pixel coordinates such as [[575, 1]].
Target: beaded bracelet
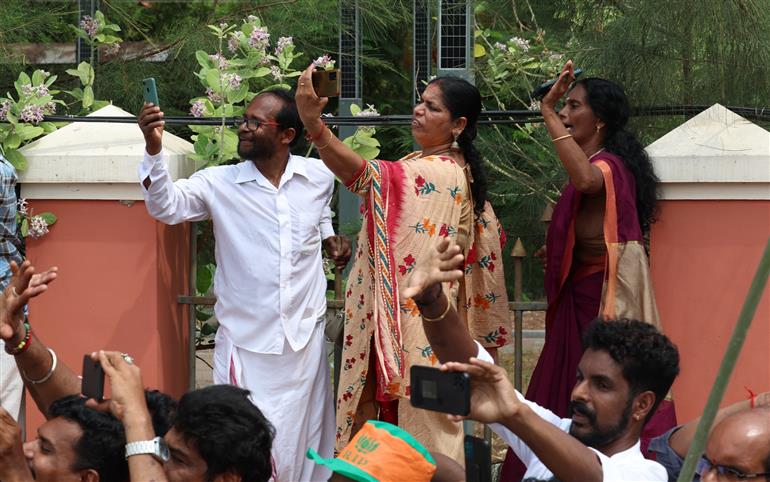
[[23, 344]]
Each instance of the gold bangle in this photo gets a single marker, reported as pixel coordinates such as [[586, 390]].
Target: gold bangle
[[560, 138], [327, 142], [440, 317]]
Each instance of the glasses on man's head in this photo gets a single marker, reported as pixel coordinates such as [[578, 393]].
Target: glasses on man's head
[[725, 473], [253, 124]]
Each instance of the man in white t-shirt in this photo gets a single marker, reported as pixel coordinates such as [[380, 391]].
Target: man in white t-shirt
[[626, 370]]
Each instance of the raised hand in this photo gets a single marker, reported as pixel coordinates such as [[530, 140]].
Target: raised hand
[[125, 383], [25, 285], [309, 105], [493, 398], [442, 266], [566, 77], [151, 123]]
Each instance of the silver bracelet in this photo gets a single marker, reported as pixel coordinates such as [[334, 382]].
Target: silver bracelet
[[54, 362]]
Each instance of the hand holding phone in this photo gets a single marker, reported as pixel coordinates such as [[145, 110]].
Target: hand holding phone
[[326, 83], [447, 392], [150, 91], [92, 385], [545, 87]]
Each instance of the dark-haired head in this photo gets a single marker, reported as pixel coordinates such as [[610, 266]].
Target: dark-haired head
[[227, 430], [649, 360], [609, 102], [287, 117], [462, 99], [101, 446]]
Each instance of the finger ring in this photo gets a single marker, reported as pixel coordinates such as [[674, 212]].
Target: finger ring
[[127, 358], [13, 290], [301, 83]]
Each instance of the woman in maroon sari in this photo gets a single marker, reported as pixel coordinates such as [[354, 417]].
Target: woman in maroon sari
[[596, 265]]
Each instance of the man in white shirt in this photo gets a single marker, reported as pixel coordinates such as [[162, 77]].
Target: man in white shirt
[[270, 214], [627, 368]]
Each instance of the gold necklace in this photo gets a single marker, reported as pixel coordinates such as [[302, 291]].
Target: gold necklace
[[595, 154]]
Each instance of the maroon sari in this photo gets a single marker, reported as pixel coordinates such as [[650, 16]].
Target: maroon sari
[[614, 286]]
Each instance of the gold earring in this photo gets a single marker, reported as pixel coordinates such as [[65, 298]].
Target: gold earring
[[598, 128]]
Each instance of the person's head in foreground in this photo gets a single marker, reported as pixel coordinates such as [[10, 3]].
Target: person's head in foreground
[[219, 436], [738, 448], [380, 452], [448, 112], [627, 369], [78, 443], [596, 112]]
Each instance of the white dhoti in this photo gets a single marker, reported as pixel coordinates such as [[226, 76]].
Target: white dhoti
[[293, 391], [11, 386]]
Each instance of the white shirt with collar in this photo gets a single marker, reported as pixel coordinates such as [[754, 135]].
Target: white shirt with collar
[[269, 281], [626, 466]]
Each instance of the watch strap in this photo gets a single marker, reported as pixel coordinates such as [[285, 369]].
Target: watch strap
[[142, 447]]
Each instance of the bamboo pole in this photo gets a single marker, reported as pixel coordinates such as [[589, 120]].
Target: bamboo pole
[[726, 368]]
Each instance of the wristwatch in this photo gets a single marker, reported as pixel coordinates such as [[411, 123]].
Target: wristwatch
[[156, 447]]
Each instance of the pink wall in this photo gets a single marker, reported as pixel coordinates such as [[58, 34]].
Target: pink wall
[[704, 255], [120, 272]]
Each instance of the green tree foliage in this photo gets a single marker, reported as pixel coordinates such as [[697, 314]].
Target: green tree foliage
[[683, 52]]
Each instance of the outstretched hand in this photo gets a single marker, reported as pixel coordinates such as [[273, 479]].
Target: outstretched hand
[[493, 398], [25, 285], [441, 267], [125, 384], [151, 123], [566, 77], [309, 105]]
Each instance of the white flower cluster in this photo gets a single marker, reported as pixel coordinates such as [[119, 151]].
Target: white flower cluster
[[38, 227], [370, 111]]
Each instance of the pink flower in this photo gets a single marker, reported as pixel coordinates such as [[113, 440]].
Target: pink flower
[[234, 42], [5, 107], [32, 113], [198, 109], [282, 44], [259, 38], [324, 62], [90, 25]]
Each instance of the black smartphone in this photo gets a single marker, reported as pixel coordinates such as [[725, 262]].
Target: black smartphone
[[326, 83], [448, 392], [150, 91], [545, 87], [478, 460], [92, 385]]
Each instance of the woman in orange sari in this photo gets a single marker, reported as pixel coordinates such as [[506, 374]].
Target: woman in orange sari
[[409, 206], [596, 264]]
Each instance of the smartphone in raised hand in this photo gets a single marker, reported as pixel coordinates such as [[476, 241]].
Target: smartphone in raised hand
[[150, 91], [92, 385], [326, 83], [448, 392]]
